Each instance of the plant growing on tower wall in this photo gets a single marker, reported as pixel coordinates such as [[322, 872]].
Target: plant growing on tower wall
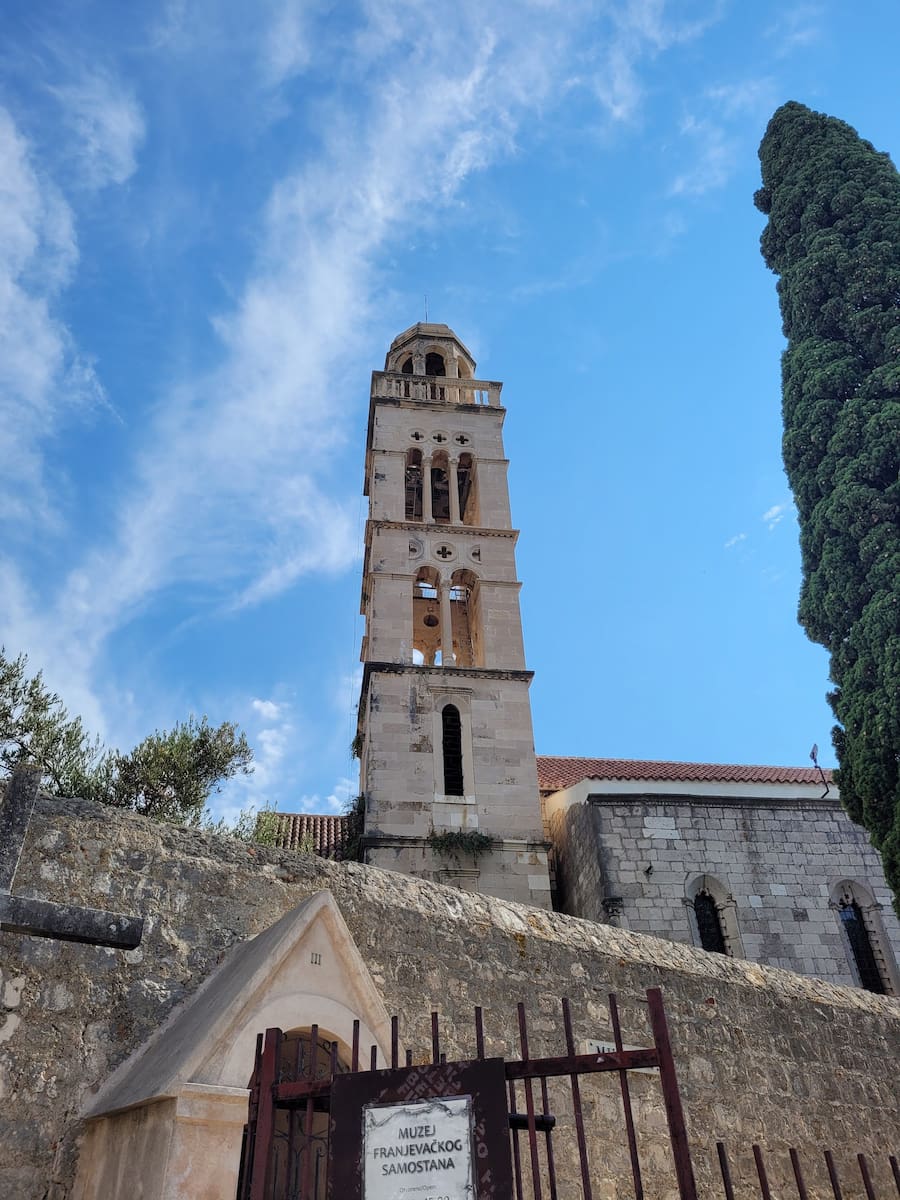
[[833, 238], [457, 843]]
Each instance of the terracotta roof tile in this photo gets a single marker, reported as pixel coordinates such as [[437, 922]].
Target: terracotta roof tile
[[555, 773], [316, 833]]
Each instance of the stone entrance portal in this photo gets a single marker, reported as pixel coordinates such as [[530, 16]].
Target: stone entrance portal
[[169, 1123]]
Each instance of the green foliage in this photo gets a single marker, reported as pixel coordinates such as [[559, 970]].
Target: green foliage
[[169, 775], [250, 825], [460, 843], [833, 237], [356, 826], [35, 728]]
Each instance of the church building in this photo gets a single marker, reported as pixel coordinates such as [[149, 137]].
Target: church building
[[755, 862]]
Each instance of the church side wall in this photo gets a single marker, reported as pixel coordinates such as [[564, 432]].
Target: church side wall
[[780, 861], [762, 1055]]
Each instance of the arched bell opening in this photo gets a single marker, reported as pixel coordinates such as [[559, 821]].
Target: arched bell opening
[[413, 484], [434, 363], [440, 488], [465, 618], [468, 497], [426, 618]]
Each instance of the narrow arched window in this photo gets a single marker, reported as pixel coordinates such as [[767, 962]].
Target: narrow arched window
[[709, 925], [434, 364], [413, 485], [861, 945], [452, 748]]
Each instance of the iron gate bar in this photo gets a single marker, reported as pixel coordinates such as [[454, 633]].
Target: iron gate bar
[[761, 1172], [308, 1123], [576, 1104], [798, 1174], [268, 1073], [866, 1178], [548, 1121], [515, 1126], [626, 1102], [896, 1170], [529, 1108], [668, 1079], [833, 1176], [725, 1170]]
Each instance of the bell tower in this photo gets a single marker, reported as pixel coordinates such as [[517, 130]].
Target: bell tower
[[447, 764]]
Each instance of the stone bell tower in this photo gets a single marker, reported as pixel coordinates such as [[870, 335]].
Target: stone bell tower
[[446, 744]]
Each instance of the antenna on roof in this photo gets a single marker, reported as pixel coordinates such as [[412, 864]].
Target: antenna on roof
[[426, 309], [814, 755]]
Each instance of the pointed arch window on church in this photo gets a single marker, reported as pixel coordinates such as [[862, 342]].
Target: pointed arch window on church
[[709, 924], [452, 751], [854, 924]]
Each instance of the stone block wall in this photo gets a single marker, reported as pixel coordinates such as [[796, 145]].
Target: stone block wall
[[762, 1055], [780, 860]]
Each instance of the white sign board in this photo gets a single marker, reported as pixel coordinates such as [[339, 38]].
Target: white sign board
[[422, 1151]]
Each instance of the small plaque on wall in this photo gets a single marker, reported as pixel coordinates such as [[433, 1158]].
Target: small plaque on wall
[[421, 1151]]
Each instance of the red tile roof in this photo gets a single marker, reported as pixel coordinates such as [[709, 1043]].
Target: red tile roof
[[316, 833], [555, 773]]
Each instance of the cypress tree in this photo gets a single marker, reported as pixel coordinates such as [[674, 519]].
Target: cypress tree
[[833, 238]]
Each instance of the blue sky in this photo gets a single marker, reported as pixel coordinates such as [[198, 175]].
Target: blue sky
[[214, 217]]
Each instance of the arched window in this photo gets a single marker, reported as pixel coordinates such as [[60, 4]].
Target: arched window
[[440, 488], [465, 618], [452, 751], [426, 618], [434, 364], [414, 485], [407, 367], [465, 474], [712, 915], [709, 927], [858, 914]]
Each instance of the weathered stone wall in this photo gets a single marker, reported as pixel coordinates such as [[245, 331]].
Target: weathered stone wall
[[762, 1054], [780, 860]]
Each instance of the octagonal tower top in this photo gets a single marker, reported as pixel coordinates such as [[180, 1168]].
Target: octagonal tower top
[[430, 349]]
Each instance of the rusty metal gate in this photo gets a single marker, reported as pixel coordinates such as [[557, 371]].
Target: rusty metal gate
[[291, 1133], [300, 1122]]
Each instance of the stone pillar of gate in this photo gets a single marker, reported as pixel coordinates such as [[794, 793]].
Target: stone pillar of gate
[[186, 1147]]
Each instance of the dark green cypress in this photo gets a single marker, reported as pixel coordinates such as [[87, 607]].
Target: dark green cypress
[[833, 238]]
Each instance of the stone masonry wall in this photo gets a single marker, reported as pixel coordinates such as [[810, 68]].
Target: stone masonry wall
[[779, 860], [761, 1054]]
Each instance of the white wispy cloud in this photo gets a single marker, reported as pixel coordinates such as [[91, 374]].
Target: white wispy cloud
[[744, 96], [797, 26], [733, 541], [713, 162], [775, 515], [231, 486], [335, 802], [43, 379], [267, 709], [106, 126]]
